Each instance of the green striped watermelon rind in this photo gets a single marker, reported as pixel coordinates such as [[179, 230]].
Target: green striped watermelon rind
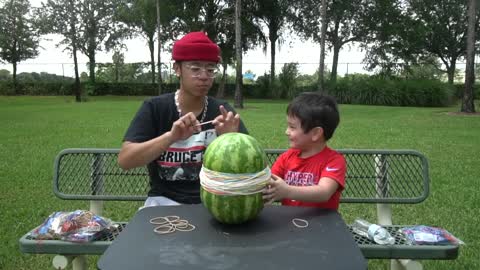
[[223, 155], [235, 209]]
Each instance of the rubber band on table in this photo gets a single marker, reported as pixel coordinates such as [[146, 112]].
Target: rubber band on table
[[159, 221], [188, 228], [172, 218], [300, 223], [170, 224], [169, 229], [179, 223]]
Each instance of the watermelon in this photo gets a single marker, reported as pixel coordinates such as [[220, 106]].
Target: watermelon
[[233, 153]]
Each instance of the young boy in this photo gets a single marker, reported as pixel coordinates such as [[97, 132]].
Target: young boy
[[309, 173]]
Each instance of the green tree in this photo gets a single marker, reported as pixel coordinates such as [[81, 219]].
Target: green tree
[[63, 18], [141, 18], [445, 34], [118, 62], [20, 38], [216, 18], [422, 28], [126, 72], [467, 102], [287, 78], [345, 24], [97, 27], [430, 69], [307, 79], [5, 75], [477, 72], [391, 45], [273, 14], [90, 26]]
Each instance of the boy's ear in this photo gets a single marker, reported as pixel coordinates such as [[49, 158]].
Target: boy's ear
[[317, 133]]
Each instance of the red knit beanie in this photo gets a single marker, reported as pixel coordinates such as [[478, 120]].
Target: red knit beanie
[[195, 46]]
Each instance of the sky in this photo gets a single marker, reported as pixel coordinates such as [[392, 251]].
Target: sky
[[53, 59]]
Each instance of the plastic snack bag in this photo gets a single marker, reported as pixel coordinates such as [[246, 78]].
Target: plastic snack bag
[[426, 235], [76, 226]]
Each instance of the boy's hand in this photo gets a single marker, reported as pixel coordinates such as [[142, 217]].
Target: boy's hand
[[184, 127], [226, 121], [277, 189]]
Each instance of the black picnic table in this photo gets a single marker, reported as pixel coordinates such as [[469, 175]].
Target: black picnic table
[[271, 241]]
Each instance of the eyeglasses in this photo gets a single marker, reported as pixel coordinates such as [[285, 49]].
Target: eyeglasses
[[196, 70]]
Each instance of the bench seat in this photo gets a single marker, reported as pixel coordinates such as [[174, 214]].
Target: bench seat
[[371, 250]]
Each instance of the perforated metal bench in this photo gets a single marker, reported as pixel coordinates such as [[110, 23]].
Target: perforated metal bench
[[381, 177]]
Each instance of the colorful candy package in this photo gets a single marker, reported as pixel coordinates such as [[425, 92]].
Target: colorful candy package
[[426, 235], [76, 226]]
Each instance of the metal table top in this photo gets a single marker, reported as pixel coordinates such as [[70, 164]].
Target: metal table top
[[271, 241]]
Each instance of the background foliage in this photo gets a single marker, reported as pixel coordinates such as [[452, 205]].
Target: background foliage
[[354, 89]]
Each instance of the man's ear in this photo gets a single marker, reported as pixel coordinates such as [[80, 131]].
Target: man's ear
[[317, 133], [178, 69]]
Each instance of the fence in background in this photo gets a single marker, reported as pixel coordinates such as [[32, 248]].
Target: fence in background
[[258, 69]]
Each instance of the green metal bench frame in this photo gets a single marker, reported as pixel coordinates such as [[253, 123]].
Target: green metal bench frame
[[382, 177]]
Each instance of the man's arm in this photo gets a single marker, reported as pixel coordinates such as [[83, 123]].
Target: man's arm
[[136, 154]]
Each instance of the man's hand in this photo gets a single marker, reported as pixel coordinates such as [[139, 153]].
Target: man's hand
[[184, 127], [226, 121]]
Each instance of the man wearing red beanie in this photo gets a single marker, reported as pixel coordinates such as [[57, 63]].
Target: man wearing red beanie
[[170, 132]]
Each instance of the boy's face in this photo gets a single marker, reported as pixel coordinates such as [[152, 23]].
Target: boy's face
[[296, 136]]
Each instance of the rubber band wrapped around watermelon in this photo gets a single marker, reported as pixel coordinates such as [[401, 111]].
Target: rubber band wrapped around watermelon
[[232, 178]]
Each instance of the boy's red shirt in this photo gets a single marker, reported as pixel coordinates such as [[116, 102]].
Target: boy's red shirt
[[298, 171]]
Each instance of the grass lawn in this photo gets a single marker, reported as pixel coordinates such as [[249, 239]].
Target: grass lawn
[[34, 129]]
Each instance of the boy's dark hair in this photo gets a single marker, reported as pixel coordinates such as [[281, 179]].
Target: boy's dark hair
[[315, 110]]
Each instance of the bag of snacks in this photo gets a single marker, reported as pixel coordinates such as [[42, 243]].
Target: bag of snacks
[[76, 226], [426, 235]]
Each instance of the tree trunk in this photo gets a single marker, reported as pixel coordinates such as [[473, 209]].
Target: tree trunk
[[117, 72], [151, 46], [221, 86], [14, 51], [91, 65], [337, 45], [467, 101], [73, 29], [238, 51], [15, 86], [272, 62], [321, 69], [451, 71], [77, 90], [92, 30], [336, 52], [159, 50]]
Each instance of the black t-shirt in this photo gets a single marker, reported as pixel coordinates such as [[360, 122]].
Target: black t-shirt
[[174, 174]]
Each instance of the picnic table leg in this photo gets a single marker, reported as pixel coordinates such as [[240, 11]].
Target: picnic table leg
[[384, 211], [61, 262], [96, 207], [404, 264], [97, 186], [79, 262]]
